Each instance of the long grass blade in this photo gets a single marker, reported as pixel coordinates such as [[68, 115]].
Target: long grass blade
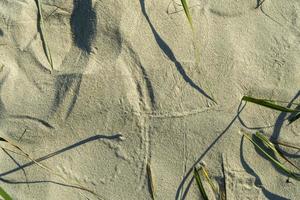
[[43, 34], [268, 104], [4, 195], [23, 153], [150, 179], [271, 146], [286, 145], [207, 177], [280, 101], [187, 12], [271, 158], [199, 184]]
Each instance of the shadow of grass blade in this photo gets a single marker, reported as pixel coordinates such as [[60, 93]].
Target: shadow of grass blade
[[187, 12], [43, 34], [4, 195], [268, 104], [271, 158], [51, 171], [199, 184], [294, 118]]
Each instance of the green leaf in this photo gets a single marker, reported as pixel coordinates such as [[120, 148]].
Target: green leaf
[[269, 104], [199, 184], [4, 195], [187, 12]]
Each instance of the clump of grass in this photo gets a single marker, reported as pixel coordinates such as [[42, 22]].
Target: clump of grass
[[267, 143], [4, 195], [43, 34]]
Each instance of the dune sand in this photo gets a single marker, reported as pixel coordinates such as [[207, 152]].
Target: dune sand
[[126, 91]]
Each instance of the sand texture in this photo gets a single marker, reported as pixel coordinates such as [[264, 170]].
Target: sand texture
[[132, 85]]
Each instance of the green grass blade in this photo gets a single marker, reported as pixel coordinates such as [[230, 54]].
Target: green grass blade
[[4, 195], [187, 12], [280, 101], [207, 177], [273, 160], [199, 184], [271, 146], [43, 35], [268, 104]]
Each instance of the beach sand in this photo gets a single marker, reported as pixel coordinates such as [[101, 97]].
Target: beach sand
[[132, 86]]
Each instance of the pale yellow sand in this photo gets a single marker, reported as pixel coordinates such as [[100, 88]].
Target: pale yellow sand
[[126, 91]]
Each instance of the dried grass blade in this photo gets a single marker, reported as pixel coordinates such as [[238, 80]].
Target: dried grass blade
[[286, 145], [75, 185], [268, 104], [199, 184], [205, 174], [43, 34], [150, 178], [187, 12]]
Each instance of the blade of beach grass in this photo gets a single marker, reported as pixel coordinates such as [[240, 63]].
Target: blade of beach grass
[[51, 171], [43, 34], [187, 12], [4, 195], [223, 195], [270, 145], [286, 144], [199, 184], [205, 173], [268, 104], [189, 17], [150, 179], [271, 158], [279, 101]]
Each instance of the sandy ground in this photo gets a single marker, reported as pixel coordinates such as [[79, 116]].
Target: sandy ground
[[126, 91]]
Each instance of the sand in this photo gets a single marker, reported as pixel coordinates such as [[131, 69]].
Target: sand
[[126, 91]]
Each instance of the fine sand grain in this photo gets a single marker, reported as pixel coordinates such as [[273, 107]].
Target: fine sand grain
[[125, 95]]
